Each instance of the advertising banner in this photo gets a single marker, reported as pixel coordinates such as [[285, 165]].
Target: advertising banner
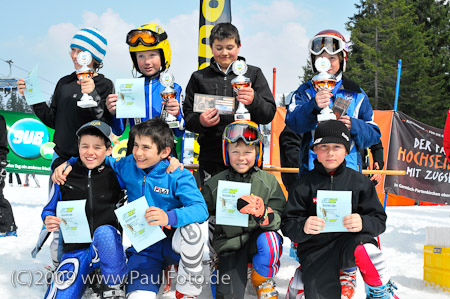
[[417, 148]]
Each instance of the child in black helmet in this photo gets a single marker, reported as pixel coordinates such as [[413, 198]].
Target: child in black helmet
[[150, 52]]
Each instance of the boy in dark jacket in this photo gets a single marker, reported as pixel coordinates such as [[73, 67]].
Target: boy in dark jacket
[[96, 183], [216, 80], [322, 255], [258, 243]]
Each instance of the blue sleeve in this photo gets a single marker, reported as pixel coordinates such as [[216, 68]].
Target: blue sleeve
[[50, 208], [118, 125], [302, 112], [194, 206], [365, 132]]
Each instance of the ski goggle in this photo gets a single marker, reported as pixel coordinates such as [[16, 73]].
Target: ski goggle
[[326, 43], [144, 36], [250, 135]]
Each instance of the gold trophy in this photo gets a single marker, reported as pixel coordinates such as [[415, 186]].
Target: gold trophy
[[84, 58], [167, 80], [324, 80], [240, 68]]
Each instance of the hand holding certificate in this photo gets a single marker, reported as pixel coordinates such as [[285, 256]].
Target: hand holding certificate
[[135, 226], [332, 207], [74, 225]]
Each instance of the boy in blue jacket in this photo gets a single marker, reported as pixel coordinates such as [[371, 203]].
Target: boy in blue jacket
[[175, 203], [90, 180]]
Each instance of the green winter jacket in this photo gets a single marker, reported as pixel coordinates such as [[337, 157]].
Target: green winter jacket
[[264, 185]]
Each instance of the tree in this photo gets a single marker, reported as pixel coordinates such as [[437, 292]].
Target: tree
[[382, 32]]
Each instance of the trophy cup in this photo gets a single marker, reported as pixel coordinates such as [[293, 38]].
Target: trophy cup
[[167, 80], [84, 58], [240, 68], [321, 81]]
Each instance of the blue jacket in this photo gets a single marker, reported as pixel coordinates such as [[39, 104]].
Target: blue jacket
[[176, 193], [153, 109], [302, 113]]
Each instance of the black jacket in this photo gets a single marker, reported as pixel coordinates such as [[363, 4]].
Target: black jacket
[[66, 117], [3, 141], [300, 206], [100, 187], [212, 80]]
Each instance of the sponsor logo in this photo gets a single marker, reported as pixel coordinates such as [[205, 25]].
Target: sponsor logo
[[161, 190], [27, 136]]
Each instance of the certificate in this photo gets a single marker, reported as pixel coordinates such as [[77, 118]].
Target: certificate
[[132, 218], [131, 98], [333, 206], [32, 92], [74, 224], [228, 193]]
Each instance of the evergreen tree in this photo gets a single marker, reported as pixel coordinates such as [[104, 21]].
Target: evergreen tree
[[2, 105], [382, 32]]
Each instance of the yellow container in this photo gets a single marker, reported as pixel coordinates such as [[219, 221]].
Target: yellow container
[[436, 268]]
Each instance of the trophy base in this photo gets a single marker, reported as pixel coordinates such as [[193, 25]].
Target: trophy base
[[87, 104], [173, 124], [242, 116], [326, 116]]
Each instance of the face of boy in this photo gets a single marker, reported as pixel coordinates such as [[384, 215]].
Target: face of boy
[[331, 155], [93, 151], [334, 60], [242, 156], [149, 62], [145, 152], [225, 52], [73, 55]]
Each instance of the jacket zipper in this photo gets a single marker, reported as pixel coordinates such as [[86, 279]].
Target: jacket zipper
[[91, 204], [143, 185], [331, 181], [225, 86]]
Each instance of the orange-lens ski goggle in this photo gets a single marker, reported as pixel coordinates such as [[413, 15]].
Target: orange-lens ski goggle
[[248, 134], [144, 36]]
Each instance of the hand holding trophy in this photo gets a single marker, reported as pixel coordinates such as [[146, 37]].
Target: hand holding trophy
[[321, 81], [167, 80], [240, 68], [84, 58]]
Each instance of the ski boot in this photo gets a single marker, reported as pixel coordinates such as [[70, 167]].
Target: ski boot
[[179, 295], [382, 292], [113, 291], [348, 283], [264, 286]]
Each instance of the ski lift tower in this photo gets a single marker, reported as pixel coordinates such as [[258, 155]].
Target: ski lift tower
[[8, 84]]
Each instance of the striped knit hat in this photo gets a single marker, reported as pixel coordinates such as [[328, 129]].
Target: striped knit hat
[[91, 40]]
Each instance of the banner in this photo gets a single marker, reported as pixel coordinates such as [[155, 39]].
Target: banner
[[212, 12], [418, 149], [30, 143]]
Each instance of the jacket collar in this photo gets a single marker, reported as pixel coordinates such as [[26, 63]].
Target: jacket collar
[[214, 65], [350, 85], [319, 167], [97, 169], [241, 177]]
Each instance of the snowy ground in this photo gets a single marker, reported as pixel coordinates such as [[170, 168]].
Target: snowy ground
[[402, 243]]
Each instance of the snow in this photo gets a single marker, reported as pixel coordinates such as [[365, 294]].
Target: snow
[[402, 244]]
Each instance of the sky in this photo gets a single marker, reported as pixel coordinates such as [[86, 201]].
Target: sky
[[274, 33]]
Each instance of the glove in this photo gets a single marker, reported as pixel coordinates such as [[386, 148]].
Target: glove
[[254, 205], [3, 170]]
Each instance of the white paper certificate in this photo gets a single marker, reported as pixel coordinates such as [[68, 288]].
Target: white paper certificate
[[228, 193], [32, 92], [333, 206], [131, 98], [74, 224], [132, 218]]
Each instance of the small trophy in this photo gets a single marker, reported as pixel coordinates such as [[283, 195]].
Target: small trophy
[[84, 58], [323, 80], [167, 80], [240, 68]]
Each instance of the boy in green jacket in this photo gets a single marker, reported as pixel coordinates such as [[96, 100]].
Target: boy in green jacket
[[258, 243]]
